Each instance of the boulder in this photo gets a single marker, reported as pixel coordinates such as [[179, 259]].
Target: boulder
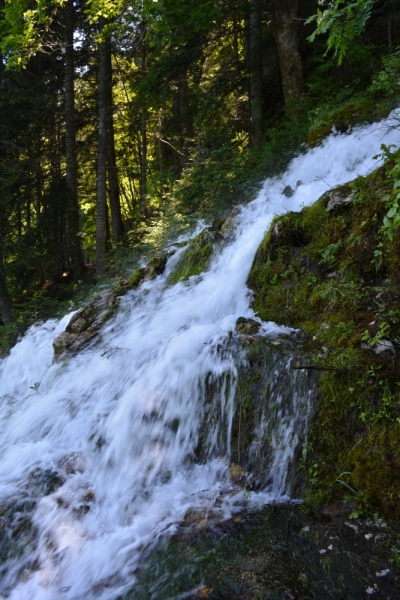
[[85, 324], [336, 199]]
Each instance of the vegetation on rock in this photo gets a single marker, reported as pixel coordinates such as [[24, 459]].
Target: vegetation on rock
[[333, 270]]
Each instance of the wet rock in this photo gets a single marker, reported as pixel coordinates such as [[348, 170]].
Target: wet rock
[[336, 199], [16, 529], [156, 266], [43, 482], [192, 516], [230, 222], [85, 324], [247, 326], [288, 191], [74, 463], [338, 509], [274, 552], [384, 348], [217, 224], [270, 386]]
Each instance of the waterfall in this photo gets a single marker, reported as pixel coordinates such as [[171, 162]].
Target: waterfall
[[98, 450]]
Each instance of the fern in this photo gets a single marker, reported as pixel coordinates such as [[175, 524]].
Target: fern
[[343, 21]]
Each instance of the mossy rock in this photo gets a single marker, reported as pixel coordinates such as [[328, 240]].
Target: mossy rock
[[334, 275], [197, 255], [353, 112]]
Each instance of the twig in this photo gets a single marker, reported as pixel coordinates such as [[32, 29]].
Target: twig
[[322, 179]]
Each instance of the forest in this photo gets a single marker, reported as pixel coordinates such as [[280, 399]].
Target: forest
[[122, 122]]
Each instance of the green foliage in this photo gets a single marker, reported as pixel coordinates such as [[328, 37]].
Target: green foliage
[[386, 81], [9, 335], [343, 21], [24, 27]]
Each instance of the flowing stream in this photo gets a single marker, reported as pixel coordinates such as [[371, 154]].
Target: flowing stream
[[97, 452]]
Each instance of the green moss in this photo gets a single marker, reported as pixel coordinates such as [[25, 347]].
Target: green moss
[[136, 277], [196, 256], [341, 117], [336, 276]]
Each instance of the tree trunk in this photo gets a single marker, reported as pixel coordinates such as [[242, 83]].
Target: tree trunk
[[74, 242], [5, 299], [143, 145], [256, 74], [114, 195], [101, 215], [184, 113], [143, 159], [285, 31]]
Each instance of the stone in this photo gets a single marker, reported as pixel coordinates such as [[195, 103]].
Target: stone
[[84, 325], [288, 191], [338, 509], [333, 275], [384, 348], [336, 200], [230, 222], [247, 326]]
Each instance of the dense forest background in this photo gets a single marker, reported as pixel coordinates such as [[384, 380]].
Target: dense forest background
[[121, 122]]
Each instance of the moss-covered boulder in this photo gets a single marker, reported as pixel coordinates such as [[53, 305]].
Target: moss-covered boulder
[[333, 272], [197, 255]]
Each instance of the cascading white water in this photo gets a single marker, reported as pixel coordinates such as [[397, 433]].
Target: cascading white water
[[120, 421]]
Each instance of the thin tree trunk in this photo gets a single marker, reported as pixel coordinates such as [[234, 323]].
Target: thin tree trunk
[[184, 113], [101, 217], [74, 242], [256, 74], [143, 149], [5, 298], [28, 211], [285, 31], [114, 194]]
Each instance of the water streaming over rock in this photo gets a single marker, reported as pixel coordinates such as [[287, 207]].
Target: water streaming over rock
[[98, 451]]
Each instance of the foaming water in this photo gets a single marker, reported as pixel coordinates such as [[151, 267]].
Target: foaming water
[[120, 421]]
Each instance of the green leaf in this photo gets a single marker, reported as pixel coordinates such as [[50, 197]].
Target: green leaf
[[393, 211]]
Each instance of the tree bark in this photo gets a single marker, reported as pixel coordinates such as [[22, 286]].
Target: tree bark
[[5, 298], [143, 158], [256, 74], [101, 205], [74, 242], [114, 193], [285, 31], [184, 113], [143, 130]]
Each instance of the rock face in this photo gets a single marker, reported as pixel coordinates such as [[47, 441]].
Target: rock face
[[273, 402], [85, 324], [331, 271], [247, 326]]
